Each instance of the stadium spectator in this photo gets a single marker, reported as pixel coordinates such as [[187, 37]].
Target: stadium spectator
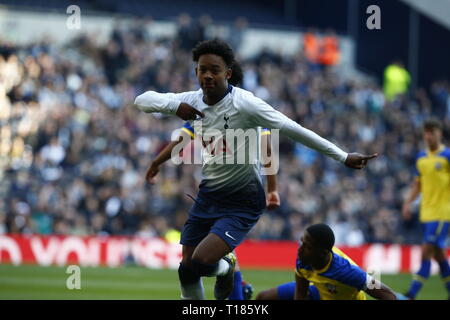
[[236, 33], [396, 80]]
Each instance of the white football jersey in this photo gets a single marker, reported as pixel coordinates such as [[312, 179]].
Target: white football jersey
[[241, 114]]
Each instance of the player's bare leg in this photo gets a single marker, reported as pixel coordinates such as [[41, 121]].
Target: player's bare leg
[[427, 251], [269, 294], [423, 274], [187, 252], [211, 249], [441, 258]]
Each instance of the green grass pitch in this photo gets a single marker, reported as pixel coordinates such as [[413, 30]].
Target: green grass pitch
[[137, 283]]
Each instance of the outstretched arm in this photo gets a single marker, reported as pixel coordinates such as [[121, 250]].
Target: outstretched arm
[[168, 103], [380, 291], [259, 113]]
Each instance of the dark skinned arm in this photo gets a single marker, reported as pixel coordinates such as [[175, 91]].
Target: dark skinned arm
[[301, 288], [380, 291], [273, 198]]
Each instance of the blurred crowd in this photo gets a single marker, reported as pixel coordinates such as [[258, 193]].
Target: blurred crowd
[[74, 150]]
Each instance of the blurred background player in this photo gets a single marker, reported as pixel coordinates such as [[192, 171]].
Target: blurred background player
[[433, 183], [324, 272]]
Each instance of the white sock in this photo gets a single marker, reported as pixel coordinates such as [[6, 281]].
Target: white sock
[[222, 268], [193, 291]]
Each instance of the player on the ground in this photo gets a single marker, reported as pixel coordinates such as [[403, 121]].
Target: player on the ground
[[325, 273], [230, 198], [433, 183], [241, 289]]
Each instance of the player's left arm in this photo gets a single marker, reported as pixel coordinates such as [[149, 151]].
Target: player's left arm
[[273, 197], [259, 113], [168, 103], [379, 290]]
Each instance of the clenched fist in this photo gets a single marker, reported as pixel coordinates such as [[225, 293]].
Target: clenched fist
[[187, 112]]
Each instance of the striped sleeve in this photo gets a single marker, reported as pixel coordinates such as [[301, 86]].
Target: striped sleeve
[[416, 169], [265, 132], [446, 154], [298, 266], [188, 129]]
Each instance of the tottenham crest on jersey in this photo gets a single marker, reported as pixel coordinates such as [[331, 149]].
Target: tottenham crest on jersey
[[226, 118]]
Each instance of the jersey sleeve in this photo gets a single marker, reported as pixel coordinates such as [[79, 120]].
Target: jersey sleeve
[[259, 113], [189, 130], [446, 154], [298, 266], [167, 103], [354, 276]]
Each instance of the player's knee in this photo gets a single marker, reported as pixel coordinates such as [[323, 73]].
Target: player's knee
[[203, 259], [428, 251], [202, 267], [439, 255]]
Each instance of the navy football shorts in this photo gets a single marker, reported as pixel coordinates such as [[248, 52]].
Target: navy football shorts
[[230, 225]]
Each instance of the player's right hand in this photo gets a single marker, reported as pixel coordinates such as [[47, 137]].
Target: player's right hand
[[406, 212], [152, 171], [272, 200], [187, 112], [357, 160]]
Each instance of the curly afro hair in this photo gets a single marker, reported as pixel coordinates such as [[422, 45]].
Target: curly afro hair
[[217, 47]]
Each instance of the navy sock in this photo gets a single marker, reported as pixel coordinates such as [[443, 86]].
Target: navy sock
[[202, 269], [186, 274], [445, 274], [419, 278], [237, 293]]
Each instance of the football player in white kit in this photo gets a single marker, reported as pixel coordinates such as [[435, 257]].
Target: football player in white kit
[[231, 197], [242, 290]]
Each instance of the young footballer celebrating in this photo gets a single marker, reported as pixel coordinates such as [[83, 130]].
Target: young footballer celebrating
[[230, 198]]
